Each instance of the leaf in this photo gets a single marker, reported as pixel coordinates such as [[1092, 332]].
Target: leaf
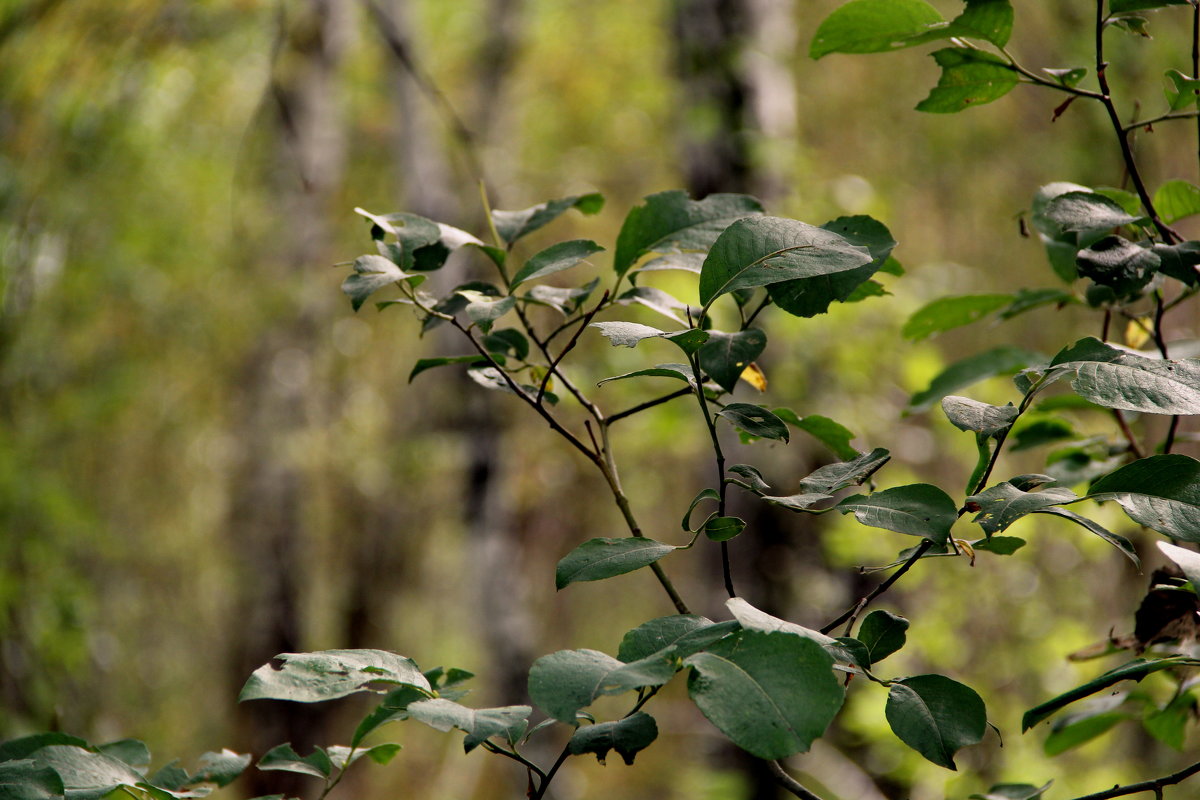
[[918, 510], [1078, 729], [1013, 791], [1119, 265], [671, 222], [751, 476], [936, 716], [873, 26], [512, 225], [371, 273], [1187, 560], [1161, 492], [1177, 199], [990, 20], [429, 363], [971, 415], [393, 708], [564, 682], [771, 693], [329, 674], [680, 371], [342, 757], [1037, 431], [626, 334], [564, 300], [1120, 542], [883, 633], [686, 262], [84, 772], [597, 559], [1086, 212], [1005, 503], [1182, 92], [1000, 545], [555, 258], [658, 634], [285, 759], [1068, 77], [484, 310], [655, 300], [971, 370], [479, 724], [754, 376], [130, 751], [627, 736], [1179, 261], [822, 483], [948, 313], [1134, 670], [722, 529], [221, 768], [807, 297], [507, 341], [969, 78], [1169, 724], [833, 435], [22, 747], [753, 619], [702, 495], [758, 251], [27, 780], [725, 356], [755, 420]]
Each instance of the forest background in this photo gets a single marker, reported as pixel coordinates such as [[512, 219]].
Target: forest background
[[206, 458]]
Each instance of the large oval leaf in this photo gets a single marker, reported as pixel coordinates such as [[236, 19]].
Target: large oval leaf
[[771, 693], [564, 682], [919, 509], [1161, 492], [936, 716], [479, 724], [873, 26], [329, 674], [671, 222], [597, 559]]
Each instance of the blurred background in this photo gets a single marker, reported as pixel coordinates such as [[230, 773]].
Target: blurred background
[[206, 458]]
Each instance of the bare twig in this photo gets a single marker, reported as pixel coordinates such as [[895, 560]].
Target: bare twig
[[788, 782], [1155, 785], [858, 607]]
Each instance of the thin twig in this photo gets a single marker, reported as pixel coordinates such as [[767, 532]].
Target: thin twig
[[629, 412], [515, 756], [1141, 123], [857, 608], [1123, 424], [1145, 786], [545, 784], [570, 344], [788, 782]]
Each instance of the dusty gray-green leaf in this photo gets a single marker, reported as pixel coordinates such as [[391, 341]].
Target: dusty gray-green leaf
[[512, 225], [1177, 199], [1086, 212], [919, 509], [771, 693], [755, 420], [329, 674], [564, 682], [883, 633], [681, 372], [873, 26], [655, 300], [83, 771], [479, 724], [822, 483], [627, 736], [1141, 384], [1161, 492], [221, 768], [971, 415], [722, 529], [555, 258], [969, 78], [671, 222], [133, 752], [484, 310], [1003, 504], [371, 273], [936, 716], [758, 251], [947, 313], [626, 334], [25, 779], [597, 559], [753, 619], [658, 634], [285, 759]]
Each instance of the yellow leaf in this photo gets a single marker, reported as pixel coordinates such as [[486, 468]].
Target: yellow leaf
[[1137, 333], [754, 376]]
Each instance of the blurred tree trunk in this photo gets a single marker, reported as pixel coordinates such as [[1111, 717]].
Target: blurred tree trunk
[[269, 496]]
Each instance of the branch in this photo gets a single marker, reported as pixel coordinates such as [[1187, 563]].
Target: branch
[[788, 782], [881, 588], [553, 368], [1133, 126], [1145, 786], [629, 412]]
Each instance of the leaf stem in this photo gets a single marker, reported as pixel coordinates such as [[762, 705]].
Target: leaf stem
[[515, 756], [789, 783], [545, 784], [649, 404]]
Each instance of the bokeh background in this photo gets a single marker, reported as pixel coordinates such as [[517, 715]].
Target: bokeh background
[[206, 458]]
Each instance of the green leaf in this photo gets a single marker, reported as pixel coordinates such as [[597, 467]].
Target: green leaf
[[1134, 670], [1161, 492], [1133, 383], [936, 716], [329, 674], [597, 559], [948, 313], [1005, 503], [479, 724], [722, 529], [671, 222], [969, 78], [755, 420], [808, 297], [1069, 76], [753, 619], [1177, 199], [342, 757], [758, 251], [484, 310], [971, 370], [1077, 729], [84, 773], [21, 748], [658, 634], [1086, 212], [873, 26], [371, 273], [771, 693], [627, 736], [564, 682], [883, 633], [1000, 545], [27, 780], [1179, 261], [971, 415], [1182, 92], [285, 759], [1169, 724], [1013, 791], [512, 225], [725, 356], [393, 708], [564, 300], [429, 363], [751, 476], [1116, 540], [507, 341], [918, 510], [686, 262], [131, 751], [821, 484], [702, 495], [834, 435], [990, 20], [1118, 264], [221, 768], [679, 371], [555, 258], [1033, 432]]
